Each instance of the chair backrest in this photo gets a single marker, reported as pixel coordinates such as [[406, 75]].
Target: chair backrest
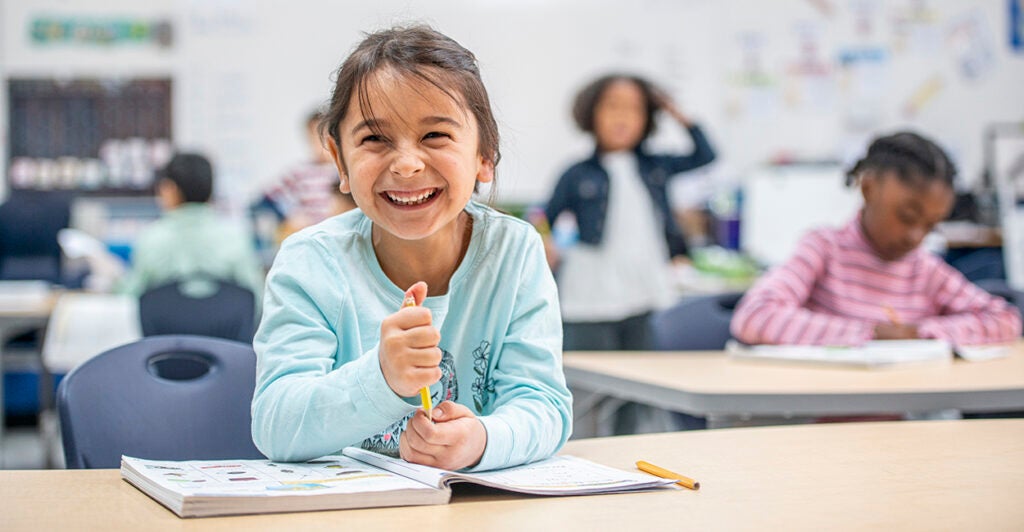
[[695, 323], [999, 287], [29, 223], [162, 398], [228, 311]]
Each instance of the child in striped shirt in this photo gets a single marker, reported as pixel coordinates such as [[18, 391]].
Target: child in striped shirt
[[871, 279]]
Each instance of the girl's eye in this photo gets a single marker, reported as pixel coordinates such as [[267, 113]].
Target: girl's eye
[[907, 219], [436, 135], [371, 138]]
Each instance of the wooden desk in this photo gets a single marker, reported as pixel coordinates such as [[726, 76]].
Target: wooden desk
[[853, 476], [85, 325], [710, 383]]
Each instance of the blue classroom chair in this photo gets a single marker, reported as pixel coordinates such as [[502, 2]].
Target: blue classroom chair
[[161, 398], [695, 324], [227, 311], [29, 223]]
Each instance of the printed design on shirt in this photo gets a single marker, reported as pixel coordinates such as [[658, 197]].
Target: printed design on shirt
[[483, 385], [386, 442]]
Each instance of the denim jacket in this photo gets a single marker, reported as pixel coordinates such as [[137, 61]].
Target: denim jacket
[[583, 190]]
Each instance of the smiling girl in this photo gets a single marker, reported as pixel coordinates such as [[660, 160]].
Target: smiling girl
[[340, 361]]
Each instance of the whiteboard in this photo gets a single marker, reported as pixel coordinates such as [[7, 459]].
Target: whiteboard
[[1008, 174], [780, 205]]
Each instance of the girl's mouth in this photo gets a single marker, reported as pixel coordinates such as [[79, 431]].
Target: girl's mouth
[[410, 199]]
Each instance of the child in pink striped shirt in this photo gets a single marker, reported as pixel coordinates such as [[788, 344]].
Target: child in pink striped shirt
[[871, 279]]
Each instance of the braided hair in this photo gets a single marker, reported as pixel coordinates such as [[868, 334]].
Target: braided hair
[[912, 158]]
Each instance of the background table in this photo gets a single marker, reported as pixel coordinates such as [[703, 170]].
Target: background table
[[709, 383], [24, 306], [900, 475]]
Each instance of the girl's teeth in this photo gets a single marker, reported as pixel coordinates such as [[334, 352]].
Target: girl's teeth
[[413, 200]]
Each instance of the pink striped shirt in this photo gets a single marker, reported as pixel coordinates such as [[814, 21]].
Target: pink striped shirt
[[834, 291], [306, 192]]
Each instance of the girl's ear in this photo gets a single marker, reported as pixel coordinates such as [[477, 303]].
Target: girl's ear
[[486, 172], [868, 185], [169, 194], [343, 184]]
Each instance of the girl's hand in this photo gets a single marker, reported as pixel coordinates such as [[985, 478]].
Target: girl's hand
[[409, 356], [893, 331], [456, 439], [551, 253], [665, 103]]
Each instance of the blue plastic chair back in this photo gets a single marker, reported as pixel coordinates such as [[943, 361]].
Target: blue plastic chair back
[[228, 312], [162, 398], [695, 324], [29, 223]]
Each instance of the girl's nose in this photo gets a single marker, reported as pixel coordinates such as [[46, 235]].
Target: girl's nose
[[406, 164]]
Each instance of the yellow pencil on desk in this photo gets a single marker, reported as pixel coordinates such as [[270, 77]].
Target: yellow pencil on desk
[[428, 407], [652, 469]]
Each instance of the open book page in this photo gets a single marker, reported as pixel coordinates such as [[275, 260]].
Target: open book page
[[980, 353], [263, 478], [876, 353], [559, 475]]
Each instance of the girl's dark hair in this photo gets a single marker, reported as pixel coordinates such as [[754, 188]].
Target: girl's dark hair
[[584, 107], [914, 159], [192, 174], [419, 52]]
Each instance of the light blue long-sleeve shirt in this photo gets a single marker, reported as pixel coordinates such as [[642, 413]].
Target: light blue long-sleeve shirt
[[192, 241], [319, 383]]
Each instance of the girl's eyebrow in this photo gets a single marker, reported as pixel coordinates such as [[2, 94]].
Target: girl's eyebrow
[[370, 123], [431, 120], [376, 123]]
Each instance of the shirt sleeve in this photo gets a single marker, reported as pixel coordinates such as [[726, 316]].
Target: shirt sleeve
[[561, 198], [967, 314], [702, 153], [313, 396], [531, 412], [248, 271], [140, 274], [773, 310]]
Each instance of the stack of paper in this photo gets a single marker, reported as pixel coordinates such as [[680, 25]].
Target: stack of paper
[[874, 354]]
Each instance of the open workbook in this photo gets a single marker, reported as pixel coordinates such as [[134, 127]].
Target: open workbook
[[873, 354], [354, 479]]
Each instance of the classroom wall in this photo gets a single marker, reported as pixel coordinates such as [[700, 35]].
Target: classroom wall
[[786, 80]]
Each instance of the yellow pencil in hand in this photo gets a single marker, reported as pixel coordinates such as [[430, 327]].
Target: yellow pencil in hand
[[892, 315], [410, 301]]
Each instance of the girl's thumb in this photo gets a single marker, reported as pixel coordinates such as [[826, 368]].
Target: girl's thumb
[[415, 294]]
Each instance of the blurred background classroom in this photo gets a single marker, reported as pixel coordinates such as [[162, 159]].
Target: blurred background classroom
[[96, 95]]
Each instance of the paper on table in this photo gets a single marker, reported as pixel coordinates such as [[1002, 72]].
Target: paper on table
[[980, 353], [559, 475], [873, 354]]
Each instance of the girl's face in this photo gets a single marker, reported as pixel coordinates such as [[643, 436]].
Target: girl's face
[[620, 116], [415, 170], [898, 216]]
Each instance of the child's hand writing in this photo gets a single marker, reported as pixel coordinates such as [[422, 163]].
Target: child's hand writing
[[895, 331], [409, 356], [456, 439]]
